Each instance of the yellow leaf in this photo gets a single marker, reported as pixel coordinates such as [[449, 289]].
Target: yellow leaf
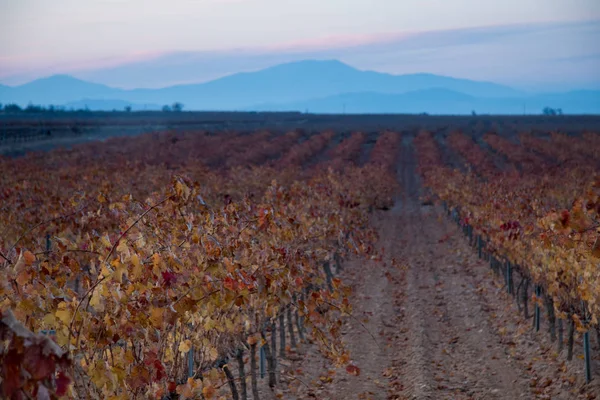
[[64, 316], [105, 241], [96, 301], [49, 320], [185, 346], [156, 259], [137, 267], [214, 353], [123, 249], [209, 324], [120, 273]]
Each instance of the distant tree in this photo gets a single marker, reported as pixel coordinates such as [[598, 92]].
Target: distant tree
[[51, 108], [13, 108], [127, 108], [559, 111], [32, 108], [177, 107], [0, 106], [549, 111], [473, 113], [166, 108]]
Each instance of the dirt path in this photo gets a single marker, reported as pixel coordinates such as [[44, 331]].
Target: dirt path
[[431, 322], [452, 352]]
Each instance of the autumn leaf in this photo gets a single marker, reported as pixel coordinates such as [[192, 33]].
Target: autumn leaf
[[62, 384], [353, 370], [208, 391], [157, 317], [29, 258], [185, 346], [64, 315]]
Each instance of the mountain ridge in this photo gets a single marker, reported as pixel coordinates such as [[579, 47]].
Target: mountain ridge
[[288, 84]]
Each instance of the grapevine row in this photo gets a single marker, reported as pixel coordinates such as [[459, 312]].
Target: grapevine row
[[131, 272], [546, 223]]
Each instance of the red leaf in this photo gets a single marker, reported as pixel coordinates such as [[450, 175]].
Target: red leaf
[[11, 373], [62, 384], [160, 370], [169, 278], [229, 283], [353, 370], [39, 366]]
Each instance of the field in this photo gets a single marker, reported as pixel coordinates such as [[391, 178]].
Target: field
[[300, 256]]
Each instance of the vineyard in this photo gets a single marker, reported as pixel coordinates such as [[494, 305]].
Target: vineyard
[[264, 264]]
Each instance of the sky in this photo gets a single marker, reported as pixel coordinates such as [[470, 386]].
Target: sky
[[153, 43]]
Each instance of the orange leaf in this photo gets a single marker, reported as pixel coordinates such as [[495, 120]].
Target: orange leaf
[[29, 258], [208, 392]]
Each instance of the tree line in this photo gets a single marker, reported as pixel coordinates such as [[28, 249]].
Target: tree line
[[14, 108]]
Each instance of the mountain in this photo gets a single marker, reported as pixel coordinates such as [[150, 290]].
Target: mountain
[[320, 86], [279, 84], [57, 89], [304, 80], [441, 101]]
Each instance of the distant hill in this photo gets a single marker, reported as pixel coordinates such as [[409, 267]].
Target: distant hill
[[320, 86], [57, 89]]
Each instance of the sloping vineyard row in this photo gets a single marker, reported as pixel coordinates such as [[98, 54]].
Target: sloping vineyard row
[[301, 153], [475, 156], [518, 155], [134, 254], [260, 152], [348, 151], [588, 144], [546, 221]]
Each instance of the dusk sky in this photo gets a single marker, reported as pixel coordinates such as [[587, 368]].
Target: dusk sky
[[153, 43]]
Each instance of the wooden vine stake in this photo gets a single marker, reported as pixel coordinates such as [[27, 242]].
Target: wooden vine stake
[[551, 318], [231, 381], [242, 374], [571, 338], [560, 335], [273, 352], [291, 328], [536, 318], [270, 356], [262, 362], [509, 277], [253, 378], [281, 335], [191, 371], [587, 354], [525, 298], [587, 357]]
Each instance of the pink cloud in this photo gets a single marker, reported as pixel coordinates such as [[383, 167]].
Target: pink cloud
[[338, 41]]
